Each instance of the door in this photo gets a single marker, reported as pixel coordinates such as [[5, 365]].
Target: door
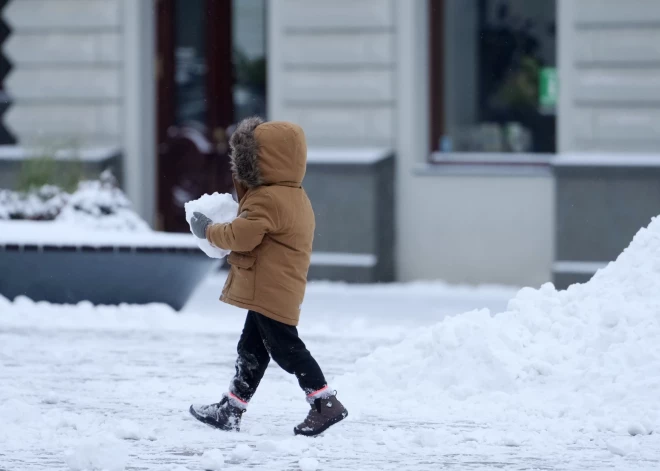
[[211, 73]]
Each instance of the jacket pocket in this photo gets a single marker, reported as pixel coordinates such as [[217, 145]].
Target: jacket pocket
[[243, 276]]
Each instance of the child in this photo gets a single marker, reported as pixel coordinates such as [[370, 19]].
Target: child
[[271, 244]]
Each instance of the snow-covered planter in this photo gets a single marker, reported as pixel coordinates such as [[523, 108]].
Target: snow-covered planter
[[90, 245]]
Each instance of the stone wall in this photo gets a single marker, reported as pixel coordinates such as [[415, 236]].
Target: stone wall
[[66, 81], [609, 75], [332, 69]]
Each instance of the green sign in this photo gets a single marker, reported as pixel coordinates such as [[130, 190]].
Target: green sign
[[548, 87]]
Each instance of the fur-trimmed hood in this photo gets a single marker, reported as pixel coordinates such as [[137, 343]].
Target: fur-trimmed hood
[[268, 153]]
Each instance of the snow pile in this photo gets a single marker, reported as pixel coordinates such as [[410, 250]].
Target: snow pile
[[97, 204], [220, 208], [580, 360]]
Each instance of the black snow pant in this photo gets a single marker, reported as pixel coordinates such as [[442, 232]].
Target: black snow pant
[[264, 338]]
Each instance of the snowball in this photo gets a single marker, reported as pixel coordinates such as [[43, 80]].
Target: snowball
[[4, 302], [308, 464], [98, 454], [220, 208], [241, 452]]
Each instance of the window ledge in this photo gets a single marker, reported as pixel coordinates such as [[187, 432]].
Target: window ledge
[[486, 164], [491, 158]]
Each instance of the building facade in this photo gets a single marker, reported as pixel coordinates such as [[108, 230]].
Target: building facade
[[475, 192]]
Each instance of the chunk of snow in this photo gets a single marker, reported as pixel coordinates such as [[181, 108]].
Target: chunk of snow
[[220, 208], [638, 428], [308, 464], [509, 440], [128, 430], [241, 452], [212, 460], [50, 398], [621, 447], [98, 454], [267, 446]]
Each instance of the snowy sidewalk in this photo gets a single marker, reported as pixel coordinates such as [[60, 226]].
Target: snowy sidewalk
[[108, 388]]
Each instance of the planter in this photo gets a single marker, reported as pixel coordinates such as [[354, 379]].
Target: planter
[[352, 192], [63, 264]]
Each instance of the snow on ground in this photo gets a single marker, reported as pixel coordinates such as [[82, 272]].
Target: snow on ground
[[557, 380]]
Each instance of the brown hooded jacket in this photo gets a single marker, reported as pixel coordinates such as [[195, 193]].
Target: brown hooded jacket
[[271, 242]]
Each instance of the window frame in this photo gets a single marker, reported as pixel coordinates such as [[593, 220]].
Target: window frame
[[436, 112]]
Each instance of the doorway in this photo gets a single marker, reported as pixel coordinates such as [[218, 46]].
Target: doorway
[[211, 73]]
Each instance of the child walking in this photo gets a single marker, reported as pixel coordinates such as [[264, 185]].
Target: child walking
[[271, 244]]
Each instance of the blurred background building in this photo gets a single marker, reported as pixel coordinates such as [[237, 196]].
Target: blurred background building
[[475, 141]]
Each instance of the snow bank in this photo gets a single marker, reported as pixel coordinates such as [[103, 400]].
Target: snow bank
[[220, 208], [579, 360]]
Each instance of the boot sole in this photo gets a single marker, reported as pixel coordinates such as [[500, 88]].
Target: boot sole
[[329, 424], [211, 422]]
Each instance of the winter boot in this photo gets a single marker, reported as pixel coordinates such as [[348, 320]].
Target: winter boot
[[225, 415], [324, 413]]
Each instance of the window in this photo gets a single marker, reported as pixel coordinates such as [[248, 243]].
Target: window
[[493, 76], [249, 58]]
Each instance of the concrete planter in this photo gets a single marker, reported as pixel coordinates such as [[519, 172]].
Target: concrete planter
[[352, 192], [60, 264]]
